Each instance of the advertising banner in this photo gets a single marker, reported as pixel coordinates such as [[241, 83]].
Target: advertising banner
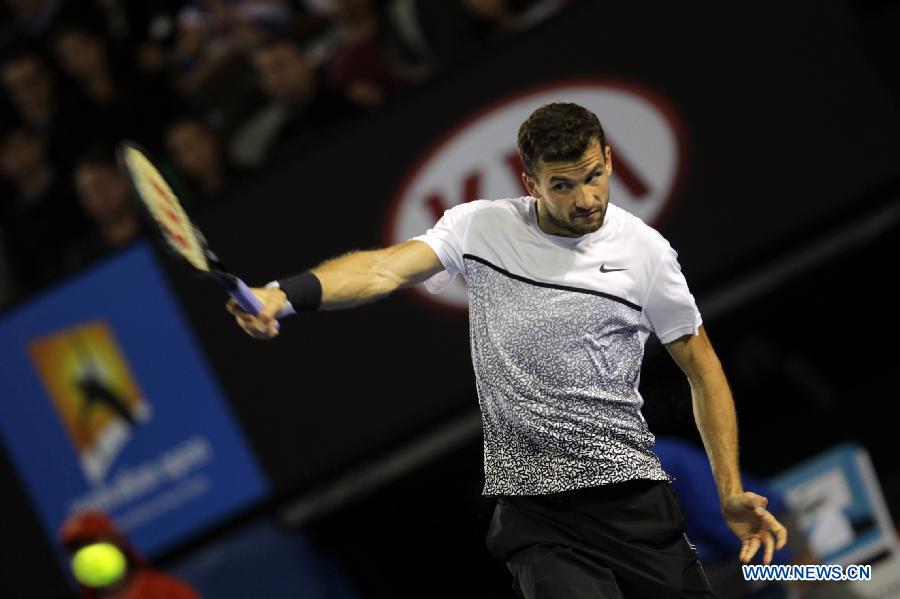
[[839, 506], [107, 404]]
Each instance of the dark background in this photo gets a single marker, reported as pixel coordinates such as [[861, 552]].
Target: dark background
[[792, 121]]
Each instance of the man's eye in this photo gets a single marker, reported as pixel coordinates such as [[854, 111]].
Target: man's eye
[[561, 187], [594, 177]]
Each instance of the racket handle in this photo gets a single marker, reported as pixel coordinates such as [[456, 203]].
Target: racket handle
[[246, 299]]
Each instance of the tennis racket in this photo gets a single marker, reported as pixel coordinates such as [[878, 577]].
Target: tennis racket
[[164, 212]]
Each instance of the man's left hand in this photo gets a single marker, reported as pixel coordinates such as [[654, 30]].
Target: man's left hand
[[748, 518]]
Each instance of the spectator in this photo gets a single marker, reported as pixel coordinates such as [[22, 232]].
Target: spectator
[[285, 74], [213, 33], [143, 31], [208, 27], [83, 55], [213, 71], [138, 581], [40, 217], [29, 85], [302, 107], [363, 69], [105, 195], [197, 153], [40, 100], [132, 106]]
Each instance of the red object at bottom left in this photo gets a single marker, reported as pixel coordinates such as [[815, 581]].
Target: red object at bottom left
[[140, 580]]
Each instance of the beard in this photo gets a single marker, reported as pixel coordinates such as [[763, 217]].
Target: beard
[[573, 228]]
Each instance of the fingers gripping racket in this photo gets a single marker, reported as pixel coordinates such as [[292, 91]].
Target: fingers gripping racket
[[166, 215]]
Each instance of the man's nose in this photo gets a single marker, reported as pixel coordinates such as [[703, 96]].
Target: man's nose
[[584, 199]]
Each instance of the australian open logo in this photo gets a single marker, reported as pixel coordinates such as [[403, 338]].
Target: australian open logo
[[93, 391], [478, 159]]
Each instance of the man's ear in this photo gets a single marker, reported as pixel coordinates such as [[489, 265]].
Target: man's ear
[[607, 154], [530, 185]]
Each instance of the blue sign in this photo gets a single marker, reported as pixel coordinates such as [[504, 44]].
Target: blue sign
[[107, 403], [839, 505]]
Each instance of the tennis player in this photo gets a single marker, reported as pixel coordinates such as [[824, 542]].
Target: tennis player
[[564, 290]]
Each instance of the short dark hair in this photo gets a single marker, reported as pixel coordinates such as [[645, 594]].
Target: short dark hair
[[99, 154], [186, 117], [558, 132], [271, 42]]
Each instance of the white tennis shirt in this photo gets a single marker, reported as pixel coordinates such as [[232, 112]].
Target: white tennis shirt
[[557, 329]]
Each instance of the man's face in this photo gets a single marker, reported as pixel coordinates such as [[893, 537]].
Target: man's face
[[572, 196], [284, 73], [29, 86], [103, 191], [79, 53], [193, 148], [22, 154]]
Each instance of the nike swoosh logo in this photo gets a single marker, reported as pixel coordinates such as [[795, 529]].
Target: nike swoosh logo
[[604, 269]]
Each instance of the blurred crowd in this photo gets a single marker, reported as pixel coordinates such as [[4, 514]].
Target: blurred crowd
[[215, 87]]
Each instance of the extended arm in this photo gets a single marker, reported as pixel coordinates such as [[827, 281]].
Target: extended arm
[[361, 277], [346, 281], [714, 413]]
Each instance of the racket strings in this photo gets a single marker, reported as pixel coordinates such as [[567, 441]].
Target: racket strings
[[163, 206]]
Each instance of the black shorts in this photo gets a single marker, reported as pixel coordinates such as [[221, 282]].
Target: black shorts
[[614, 541]]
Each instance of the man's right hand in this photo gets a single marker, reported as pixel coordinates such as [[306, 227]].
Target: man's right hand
[[263, 325], [747, 517]]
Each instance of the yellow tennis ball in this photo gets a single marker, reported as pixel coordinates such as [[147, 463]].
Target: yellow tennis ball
[[98, 565]]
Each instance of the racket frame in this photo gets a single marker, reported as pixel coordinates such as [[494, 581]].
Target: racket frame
[[235, 287]]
